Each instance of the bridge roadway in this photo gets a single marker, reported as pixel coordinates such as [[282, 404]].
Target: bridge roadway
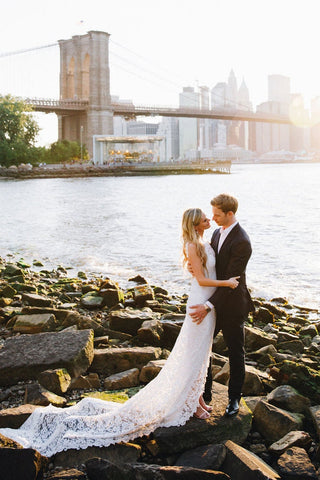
[[128, 110]]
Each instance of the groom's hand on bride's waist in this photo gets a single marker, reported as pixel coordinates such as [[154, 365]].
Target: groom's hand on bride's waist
[[198, 313]]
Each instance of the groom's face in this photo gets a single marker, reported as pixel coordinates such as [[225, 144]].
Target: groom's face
[[219, 217]]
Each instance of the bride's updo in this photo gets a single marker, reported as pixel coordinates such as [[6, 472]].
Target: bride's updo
[[190, 219]]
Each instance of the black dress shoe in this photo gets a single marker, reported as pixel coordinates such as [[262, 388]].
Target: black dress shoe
[[233, 407]]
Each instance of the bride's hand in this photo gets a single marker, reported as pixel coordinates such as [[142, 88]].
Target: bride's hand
[[233, 282]]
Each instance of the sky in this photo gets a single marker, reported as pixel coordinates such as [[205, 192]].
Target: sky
[[156, 48]]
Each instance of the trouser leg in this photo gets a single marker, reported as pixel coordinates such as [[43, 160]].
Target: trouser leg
[[233, 334], [207, 394]]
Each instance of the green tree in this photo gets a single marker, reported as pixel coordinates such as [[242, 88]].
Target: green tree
[[65, 151], [18, 132]]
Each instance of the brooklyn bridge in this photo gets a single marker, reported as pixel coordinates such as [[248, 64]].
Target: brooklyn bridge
[[85, 108]]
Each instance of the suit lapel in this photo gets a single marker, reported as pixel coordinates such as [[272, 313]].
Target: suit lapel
[[215, 240], [230, 236]]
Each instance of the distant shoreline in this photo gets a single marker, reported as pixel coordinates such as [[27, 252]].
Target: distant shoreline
[[83, 171]]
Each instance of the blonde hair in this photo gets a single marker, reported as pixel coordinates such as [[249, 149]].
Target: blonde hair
[[190, 219]]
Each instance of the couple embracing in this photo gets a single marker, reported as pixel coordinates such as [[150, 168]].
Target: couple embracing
[[218, 300]]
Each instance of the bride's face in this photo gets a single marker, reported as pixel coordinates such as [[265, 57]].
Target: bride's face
[[204, 224]]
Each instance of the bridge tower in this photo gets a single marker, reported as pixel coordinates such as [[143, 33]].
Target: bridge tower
[[85, 75]]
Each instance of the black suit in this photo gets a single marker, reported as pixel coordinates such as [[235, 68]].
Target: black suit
[[232, 305]]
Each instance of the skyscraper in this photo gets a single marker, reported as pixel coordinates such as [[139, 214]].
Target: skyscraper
[[188, 127]]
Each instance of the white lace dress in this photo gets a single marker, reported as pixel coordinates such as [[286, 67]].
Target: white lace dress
[[168, 400]]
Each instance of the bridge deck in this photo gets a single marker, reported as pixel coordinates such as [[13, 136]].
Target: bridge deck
[[73, 107]]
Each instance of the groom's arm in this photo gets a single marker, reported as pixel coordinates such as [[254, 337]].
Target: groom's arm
[[240, 255]]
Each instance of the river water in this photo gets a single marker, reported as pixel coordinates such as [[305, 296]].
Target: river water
[[120, 226]]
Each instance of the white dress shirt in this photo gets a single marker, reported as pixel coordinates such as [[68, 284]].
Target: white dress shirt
[[224, 232]]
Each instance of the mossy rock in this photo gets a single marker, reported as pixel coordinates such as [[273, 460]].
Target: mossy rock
[[305, 379]]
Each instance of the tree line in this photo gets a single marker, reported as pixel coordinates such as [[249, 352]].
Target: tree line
[[18, 134]]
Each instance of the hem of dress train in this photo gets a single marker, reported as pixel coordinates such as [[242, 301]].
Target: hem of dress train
[[107, 443]]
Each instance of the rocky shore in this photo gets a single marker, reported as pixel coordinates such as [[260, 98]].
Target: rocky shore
[[64, 338], [88, 170]]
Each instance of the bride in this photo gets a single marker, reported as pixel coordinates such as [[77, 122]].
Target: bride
[[168, 400]]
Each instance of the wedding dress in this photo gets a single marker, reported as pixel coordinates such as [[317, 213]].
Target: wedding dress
[[170, 399]]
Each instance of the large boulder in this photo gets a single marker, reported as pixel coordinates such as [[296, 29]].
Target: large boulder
[[241, 464], [45, 322], [295, 464], [56, 381], [119, 453], [37, 395], [114, 360], [288, 398], [129, 320], [150, 332], [255, 339], [151, 370], [204, 457], [24, 357], [296, 438], [16, 416], [217, 429], [274, 423], [127, 379], [25, 463], [99, 469], [36, 300]]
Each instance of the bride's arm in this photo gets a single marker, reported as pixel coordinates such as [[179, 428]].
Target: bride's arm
[[198, 272]]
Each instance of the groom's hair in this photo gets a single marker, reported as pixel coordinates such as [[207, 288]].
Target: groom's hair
[[226, 203]]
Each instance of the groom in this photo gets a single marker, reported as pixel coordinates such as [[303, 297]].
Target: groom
[[233, 250]]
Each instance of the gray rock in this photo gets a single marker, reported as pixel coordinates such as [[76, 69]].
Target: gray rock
[[295, 464], [115, 360], [205, 457], [37, 395], [16, 416], [111, 296], [25, 463], [126, 379], [45, 322], [288, 398], [263, 315], [252, 401], [56, 381], [315, 415], [120, 453], [151, 370], [36, 300], [295, 438], [85, 382], [24, 357], [99, 469], [255, 339], [293, 346], [129, 320], [274, 423], [171, 331], [91, 300], [241, 464], [150, 332], [310, 330], [142, 293]]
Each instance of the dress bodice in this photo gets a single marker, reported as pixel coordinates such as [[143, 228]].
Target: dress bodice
[[203, 293]]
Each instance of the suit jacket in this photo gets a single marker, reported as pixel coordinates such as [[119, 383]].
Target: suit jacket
[[231, 261]]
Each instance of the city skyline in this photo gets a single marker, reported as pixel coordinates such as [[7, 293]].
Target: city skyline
[[156, 50]]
